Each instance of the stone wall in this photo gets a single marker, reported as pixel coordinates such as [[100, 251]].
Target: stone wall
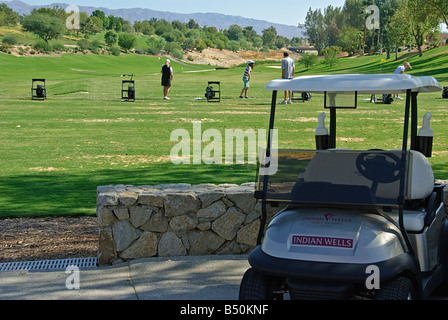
[[176, 220]]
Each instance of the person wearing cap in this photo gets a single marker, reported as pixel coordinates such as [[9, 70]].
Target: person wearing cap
[[288, 69], [246, 78], [167, 77], [400, 70]]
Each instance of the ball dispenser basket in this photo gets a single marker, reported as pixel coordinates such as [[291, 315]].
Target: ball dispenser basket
[[128, 89], [213, 94], [38, 91]]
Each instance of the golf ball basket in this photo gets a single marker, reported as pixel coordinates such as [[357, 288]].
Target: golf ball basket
[[38, 91], [212, 94], [128, 89]]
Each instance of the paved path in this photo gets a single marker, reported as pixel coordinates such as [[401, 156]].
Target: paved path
[[183, 278]]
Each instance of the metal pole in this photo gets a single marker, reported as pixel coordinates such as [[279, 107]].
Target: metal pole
[[401, 197], [266, 177]]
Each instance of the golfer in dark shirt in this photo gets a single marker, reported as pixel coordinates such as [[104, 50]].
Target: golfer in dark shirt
[[167, 77]]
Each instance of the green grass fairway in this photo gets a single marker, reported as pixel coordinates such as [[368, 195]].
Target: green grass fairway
[[55, 153]]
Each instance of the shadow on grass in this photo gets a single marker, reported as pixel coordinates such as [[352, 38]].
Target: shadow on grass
[[62, 193]]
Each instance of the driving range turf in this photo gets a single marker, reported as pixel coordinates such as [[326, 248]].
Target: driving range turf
[[54, 153]]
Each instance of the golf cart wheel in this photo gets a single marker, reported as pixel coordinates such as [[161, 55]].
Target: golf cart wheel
[[254, 286], [398, 289]]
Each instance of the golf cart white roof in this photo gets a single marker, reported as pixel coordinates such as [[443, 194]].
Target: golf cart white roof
[[362, 83]]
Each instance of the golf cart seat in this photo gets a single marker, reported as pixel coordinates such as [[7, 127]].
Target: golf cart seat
[[341, 168]]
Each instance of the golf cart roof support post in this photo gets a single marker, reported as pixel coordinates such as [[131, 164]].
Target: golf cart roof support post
[[332, 138], [401, 198], [266, 177], [262, 222], [414, 116]]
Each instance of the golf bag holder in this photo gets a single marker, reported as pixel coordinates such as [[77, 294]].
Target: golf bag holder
[[445, 93], [212, 94], [386, 98], [304, 96], [38, 91], [128, 90]]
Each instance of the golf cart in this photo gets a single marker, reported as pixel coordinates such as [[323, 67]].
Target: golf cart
[[367, 224]]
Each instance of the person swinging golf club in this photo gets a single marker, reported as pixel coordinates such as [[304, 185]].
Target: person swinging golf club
[[400, 70], [246, 78], [167, 77]]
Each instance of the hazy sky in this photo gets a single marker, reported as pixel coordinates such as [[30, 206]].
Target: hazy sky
[[290, 12]]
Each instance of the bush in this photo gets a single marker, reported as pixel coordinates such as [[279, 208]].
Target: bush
[[127, 41], [170, 47], [308, 60], [153, 51], [84, 44], [43, 46], [115, 51], [10, 39], [111, 38], [177, 54], [330, 55], [139, 51], [58, 47]]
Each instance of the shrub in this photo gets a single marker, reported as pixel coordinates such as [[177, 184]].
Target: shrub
[[58, 47], [111, 38], [153, 51], [43, 46], [139, 51], [308, 60], [84, 44], [170, 47], [10, 39], [115, 51], [177, 54], [127, 41]]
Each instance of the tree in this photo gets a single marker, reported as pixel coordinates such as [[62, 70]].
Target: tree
[[111, 38], [416, 17], [315, 29], [350, 40], [330, 55], [334, 24], [387, 11], [100, 14], [56, 11], [115, 23], [94, 24], [193, 24], [155, 44], [127, 41], [45, 26], [7, 16], [269, 36], [308, 60], [440, 7], [235, 32]]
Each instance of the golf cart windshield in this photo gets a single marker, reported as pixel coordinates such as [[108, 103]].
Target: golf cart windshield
[[337, 176], [332, 177]]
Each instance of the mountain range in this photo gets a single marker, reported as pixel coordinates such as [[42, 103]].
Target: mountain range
[[220, 21]]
